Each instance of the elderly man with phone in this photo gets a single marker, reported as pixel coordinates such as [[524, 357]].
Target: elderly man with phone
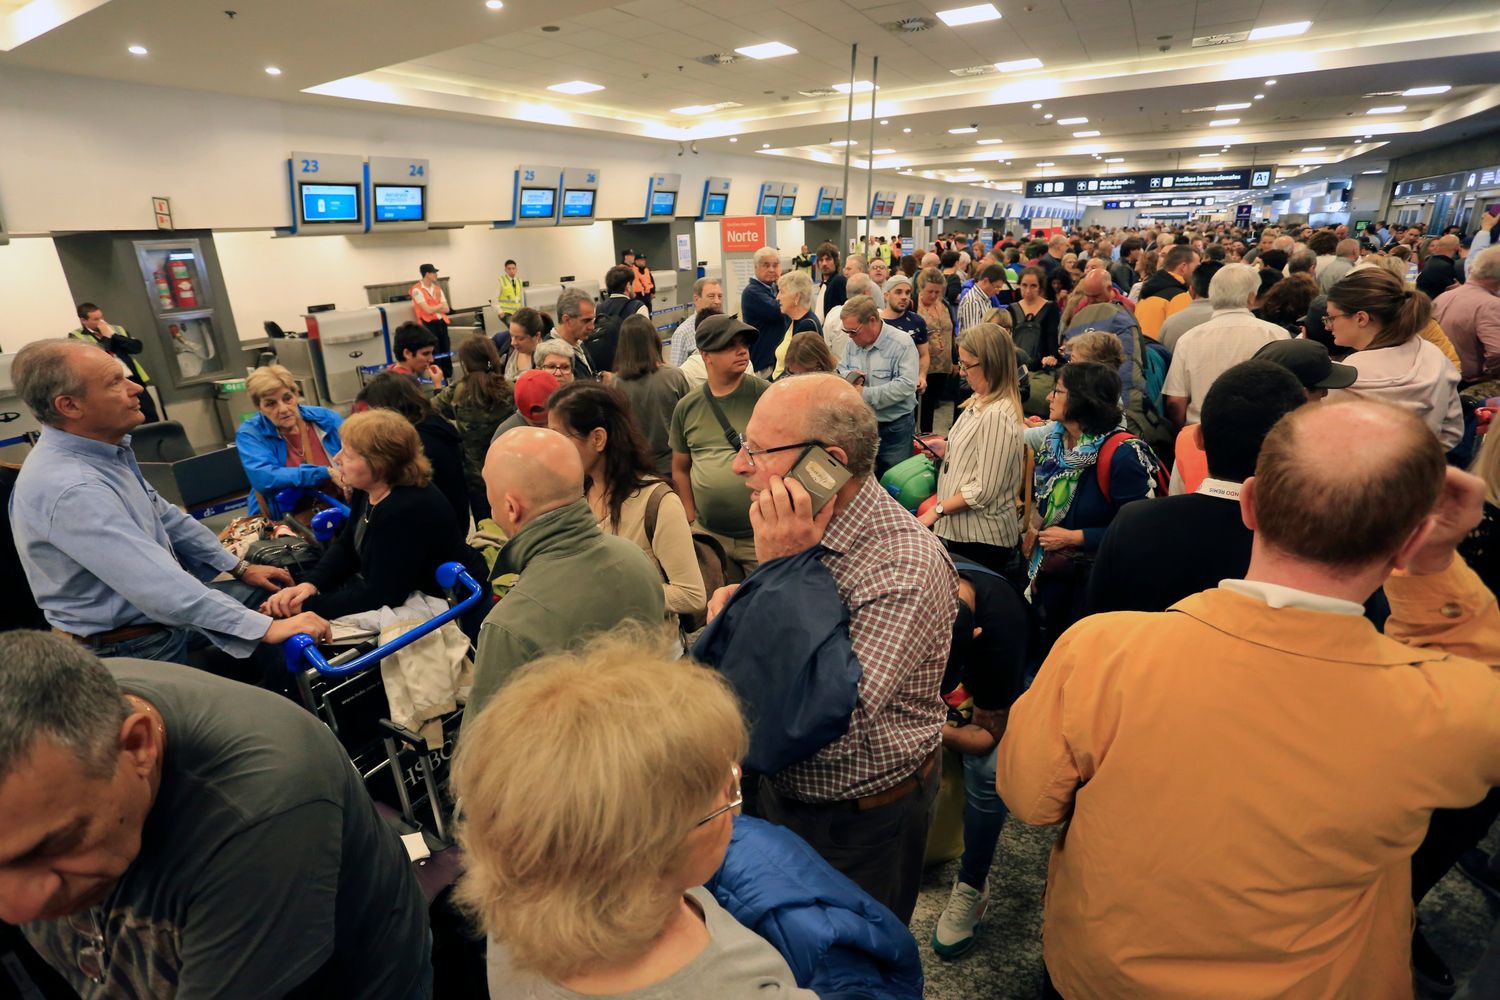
[[882, 362], [865, 801]]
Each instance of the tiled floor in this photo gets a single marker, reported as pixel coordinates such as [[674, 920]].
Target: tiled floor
[[1006, 964]]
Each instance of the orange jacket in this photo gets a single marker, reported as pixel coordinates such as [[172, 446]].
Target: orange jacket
[[1246, 786]]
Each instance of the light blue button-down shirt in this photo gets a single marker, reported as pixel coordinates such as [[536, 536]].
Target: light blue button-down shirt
[[102, 550], [891, 367]]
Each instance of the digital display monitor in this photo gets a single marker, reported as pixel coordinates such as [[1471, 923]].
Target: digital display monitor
[[715, 204], [400, 203], [838, 206], [578, 204], [663, 202], [825, 206], [329, 202], [788, 204], [768, 204], [538, 203]]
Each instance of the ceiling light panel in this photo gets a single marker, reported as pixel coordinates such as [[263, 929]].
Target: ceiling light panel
[[1232, 107], [1426, 91], [1222, 122], [1279, 30], [1072, 121], [1390, 109], [860, 87], [977, 14], [1017, 65], [576, 87], [767, 50], [1089, 134], [966, 130], [988, 142]]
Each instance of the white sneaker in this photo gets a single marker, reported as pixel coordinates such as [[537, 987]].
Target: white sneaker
[[959, 923]]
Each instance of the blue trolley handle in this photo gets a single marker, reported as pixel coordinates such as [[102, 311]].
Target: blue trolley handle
[[302, 650]]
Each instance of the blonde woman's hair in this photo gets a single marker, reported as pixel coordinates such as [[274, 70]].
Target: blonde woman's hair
[[799, 284], [582, 781], [268, 381], [1097, 345], [809, 352], [1001, 318], [996, 354], [1487, 467], [389, 443]]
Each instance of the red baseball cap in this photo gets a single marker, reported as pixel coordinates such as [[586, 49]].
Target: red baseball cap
[[533, 389]]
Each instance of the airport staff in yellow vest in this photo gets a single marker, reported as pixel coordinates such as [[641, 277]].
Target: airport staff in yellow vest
[[509, 299]]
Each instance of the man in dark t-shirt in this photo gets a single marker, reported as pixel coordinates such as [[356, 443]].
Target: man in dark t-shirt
[[169, 833]]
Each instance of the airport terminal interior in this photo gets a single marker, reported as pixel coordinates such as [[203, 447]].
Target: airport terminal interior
[[683, 498]]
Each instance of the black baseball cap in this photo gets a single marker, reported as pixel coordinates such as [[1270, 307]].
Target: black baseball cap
[[428, 269], [717, 332], [1309, 361]]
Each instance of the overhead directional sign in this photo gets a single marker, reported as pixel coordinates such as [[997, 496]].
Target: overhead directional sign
[[1230, 179], [1158, 202]]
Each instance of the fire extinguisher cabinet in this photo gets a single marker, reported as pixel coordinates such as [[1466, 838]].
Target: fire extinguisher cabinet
[[185, 307]]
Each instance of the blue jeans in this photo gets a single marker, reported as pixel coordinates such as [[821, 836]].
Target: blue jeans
[[984, 815], [173, 644], [895, 442]]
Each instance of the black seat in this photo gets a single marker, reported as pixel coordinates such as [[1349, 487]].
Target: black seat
[[163, 441], [274, 330]]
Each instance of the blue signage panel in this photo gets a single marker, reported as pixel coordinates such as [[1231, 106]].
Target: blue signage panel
[[538, 203], [399, 204], [330, 202]]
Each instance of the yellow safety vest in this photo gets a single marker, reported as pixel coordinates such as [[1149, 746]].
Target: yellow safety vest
[[509, 299]]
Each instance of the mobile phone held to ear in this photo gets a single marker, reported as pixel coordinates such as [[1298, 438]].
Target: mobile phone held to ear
[[820, 474]]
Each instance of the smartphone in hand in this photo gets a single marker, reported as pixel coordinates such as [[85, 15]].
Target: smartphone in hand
[[820, 474]]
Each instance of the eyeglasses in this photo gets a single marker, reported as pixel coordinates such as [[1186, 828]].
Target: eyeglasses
[[736, 799], [1058, 390], [1329, 317], [964, 367], [750, 452], [91, 957], [556, 368]]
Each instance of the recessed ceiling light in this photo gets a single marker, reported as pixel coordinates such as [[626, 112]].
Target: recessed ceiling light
[[693, 109], [273, 70], [1232, 107], [1372, 171], [1269, 83], [765, 145], [1220, 122], [881, 152], [860, 87], [767, 50], [1046, 163], [1072, 121], [137, 50], [1260, 97], [976, 14], [1313, 149], [966, 170], [1369, 137], [1204, 156], [1016, 65], [966, 130], [1047, 116], [1037, 106], [1086, 135], [1114, 159], [1426, 91], [493, 4], [734, 138], [906, 130], [1358, 141], [576, 87], [885, 121], [1279, 30], [988, 142], [844, 142], [1388, 109]]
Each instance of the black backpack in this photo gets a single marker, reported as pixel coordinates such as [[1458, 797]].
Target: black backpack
[[1027, 333], [601, 344]]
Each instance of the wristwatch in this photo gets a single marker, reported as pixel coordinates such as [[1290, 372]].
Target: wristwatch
[[239, 569], [938, 509]]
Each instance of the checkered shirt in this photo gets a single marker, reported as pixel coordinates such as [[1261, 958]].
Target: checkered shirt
[[902, 594]]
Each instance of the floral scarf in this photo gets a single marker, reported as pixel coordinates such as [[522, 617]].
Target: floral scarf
[[1058, 471]]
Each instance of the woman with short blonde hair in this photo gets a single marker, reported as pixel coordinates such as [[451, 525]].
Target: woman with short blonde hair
[[390, 446], [587, 840], [285, 444], [794, 293]]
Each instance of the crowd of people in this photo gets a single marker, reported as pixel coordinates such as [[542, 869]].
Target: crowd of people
[[1198, 572]]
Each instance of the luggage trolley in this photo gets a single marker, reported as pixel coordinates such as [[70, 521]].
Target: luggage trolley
[[350, 698]]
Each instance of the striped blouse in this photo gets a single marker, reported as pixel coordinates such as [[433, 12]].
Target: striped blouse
[[984, 463]]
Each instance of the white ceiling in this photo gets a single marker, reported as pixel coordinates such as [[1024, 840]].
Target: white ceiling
[[1127, 65]]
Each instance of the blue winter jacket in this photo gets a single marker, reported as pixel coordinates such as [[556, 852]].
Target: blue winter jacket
[[263, 453], [839, 942]]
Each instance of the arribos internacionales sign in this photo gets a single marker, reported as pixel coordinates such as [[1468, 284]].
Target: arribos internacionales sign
[[1232, 179]]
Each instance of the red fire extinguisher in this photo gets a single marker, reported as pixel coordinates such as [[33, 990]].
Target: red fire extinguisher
[[182, 285], [163, 290]]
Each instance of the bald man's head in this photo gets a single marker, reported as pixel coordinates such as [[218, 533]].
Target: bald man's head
[[528, 472], [1357, 511], [1446, 245], [819, 407]]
